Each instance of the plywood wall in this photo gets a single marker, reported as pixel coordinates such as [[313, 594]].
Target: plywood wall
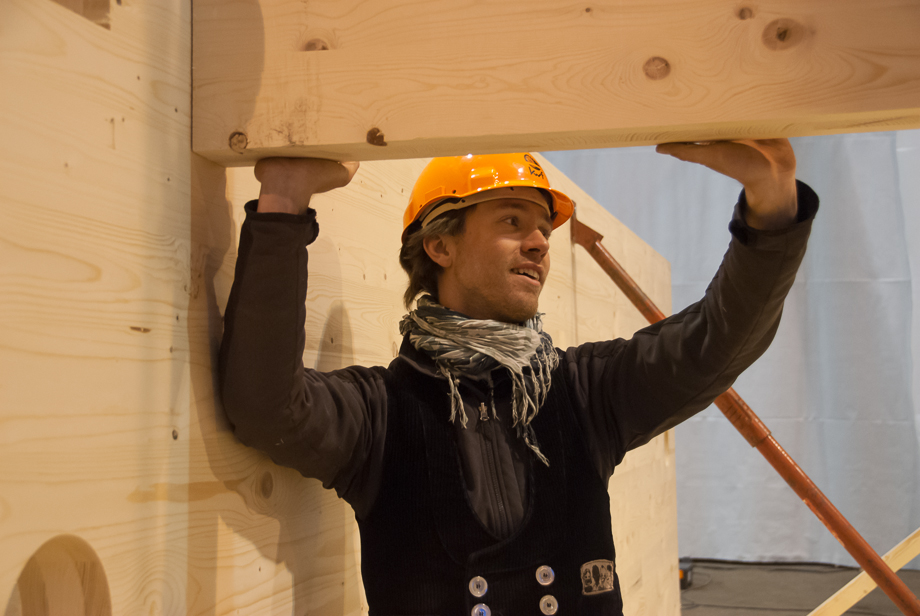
[[116, 257]]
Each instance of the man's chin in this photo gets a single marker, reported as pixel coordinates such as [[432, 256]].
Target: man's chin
[[519, 314]]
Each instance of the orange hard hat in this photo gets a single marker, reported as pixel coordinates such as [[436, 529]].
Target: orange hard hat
[[456, 182]]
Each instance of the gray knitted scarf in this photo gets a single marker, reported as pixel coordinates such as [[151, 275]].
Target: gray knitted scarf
[[461, 346]]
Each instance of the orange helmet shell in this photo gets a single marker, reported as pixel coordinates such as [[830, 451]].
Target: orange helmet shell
[[457, 177]]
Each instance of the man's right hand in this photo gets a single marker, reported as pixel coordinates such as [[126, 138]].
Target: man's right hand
[[289, 183], [765, 167]]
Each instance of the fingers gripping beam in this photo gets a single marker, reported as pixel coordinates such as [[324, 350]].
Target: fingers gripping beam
[[758, 435]]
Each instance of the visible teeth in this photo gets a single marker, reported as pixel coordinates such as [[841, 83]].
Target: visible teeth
[[528, 273]]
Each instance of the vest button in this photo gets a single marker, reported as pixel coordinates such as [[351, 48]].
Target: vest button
[[549, 605], [478, 587], [545, 576], [481, 610]]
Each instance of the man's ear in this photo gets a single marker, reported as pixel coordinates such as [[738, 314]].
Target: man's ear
[[440, 249]]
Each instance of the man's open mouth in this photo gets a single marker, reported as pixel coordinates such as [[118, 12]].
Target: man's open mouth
[[527, 272]]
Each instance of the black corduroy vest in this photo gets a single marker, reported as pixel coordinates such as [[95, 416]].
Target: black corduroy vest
[[422, 543]]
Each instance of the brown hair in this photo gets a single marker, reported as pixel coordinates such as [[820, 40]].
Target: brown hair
[[423, 272]]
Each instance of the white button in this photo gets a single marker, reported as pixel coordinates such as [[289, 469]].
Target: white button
[[549, 605], [481, 610], [478, 586], [545, 576]]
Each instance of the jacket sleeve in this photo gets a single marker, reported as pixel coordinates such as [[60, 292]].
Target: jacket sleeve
[[629, 391], [329, 426]]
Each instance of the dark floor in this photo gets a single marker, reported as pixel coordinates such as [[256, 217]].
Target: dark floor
[[721, 588]]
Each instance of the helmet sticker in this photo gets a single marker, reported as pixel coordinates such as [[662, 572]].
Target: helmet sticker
[[535, 169]]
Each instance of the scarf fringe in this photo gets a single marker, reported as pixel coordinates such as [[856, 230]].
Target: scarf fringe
[[460, 345], [456, 402]]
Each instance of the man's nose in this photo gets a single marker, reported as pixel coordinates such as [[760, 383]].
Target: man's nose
[[536, 242]]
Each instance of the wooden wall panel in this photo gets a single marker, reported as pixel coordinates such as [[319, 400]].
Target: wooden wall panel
[[116, 259], [97, 339], [385, 79]]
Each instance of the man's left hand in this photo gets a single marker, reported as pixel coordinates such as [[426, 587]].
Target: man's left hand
[[765, 167]]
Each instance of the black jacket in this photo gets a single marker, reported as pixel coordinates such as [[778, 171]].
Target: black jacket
[[333, 426]]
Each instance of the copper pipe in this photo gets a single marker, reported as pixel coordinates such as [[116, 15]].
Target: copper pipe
[[758, 435]]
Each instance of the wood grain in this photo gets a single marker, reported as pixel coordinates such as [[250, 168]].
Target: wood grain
[[338, 78], [97, 278]]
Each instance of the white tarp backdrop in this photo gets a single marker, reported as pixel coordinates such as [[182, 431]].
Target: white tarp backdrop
[[839, 386]]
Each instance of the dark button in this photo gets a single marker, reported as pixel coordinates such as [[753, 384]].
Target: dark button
[[478, 586], [545, 576], [549, 605], [481, 610]]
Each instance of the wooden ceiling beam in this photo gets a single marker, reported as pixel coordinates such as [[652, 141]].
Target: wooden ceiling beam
[[386, 79]]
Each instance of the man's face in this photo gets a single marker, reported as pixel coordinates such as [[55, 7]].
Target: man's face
[[497, 267]]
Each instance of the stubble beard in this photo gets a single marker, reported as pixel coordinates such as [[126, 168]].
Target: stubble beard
[[518, 310]]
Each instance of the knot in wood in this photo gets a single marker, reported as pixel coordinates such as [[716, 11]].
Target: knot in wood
[[745, 13], [316, 44], [656, 68], [238, 141], [375, 137], [783, 34], [267, 485]]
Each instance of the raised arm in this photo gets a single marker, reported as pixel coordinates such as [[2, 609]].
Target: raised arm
[[322, 424], [628, 391]]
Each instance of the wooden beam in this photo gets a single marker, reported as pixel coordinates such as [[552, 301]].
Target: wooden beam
[[862, 584], [383, 79]]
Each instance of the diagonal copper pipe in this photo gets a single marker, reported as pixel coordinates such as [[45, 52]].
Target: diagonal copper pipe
[[758, 435]]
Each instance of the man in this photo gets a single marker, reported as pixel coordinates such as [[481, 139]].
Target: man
[[477, 462]]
